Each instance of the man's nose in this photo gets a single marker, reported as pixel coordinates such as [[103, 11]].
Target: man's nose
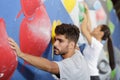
[[55, 43]]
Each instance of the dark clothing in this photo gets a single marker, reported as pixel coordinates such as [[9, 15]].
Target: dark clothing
[[94, 78]]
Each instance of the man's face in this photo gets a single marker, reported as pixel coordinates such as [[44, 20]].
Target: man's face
[[61, 45]]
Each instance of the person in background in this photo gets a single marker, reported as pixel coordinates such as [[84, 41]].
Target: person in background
[[94, 47], [72, 67]]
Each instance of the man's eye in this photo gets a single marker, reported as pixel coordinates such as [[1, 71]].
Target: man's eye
[[60, 40]]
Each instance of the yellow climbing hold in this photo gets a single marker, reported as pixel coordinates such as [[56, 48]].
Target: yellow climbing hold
[[69, 5], [55, 23]]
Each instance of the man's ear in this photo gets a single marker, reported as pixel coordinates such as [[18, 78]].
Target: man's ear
[[71, 45]]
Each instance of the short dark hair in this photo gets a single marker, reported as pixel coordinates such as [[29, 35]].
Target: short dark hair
[[70, 31]]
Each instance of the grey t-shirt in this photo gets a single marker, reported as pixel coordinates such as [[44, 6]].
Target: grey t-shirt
[[74, 68]]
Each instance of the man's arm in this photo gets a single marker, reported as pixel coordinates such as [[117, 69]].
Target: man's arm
[[39, 62]]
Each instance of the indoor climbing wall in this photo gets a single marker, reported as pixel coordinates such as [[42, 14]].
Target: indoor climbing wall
[[31, 24]]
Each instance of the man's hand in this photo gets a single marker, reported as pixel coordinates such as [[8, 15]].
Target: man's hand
[[14, 46]]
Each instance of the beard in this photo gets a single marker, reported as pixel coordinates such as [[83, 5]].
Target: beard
[[60, 52], [56, 51]]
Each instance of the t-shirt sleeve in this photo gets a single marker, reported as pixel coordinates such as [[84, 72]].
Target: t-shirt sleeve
[[65, 68], [96, 44]]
